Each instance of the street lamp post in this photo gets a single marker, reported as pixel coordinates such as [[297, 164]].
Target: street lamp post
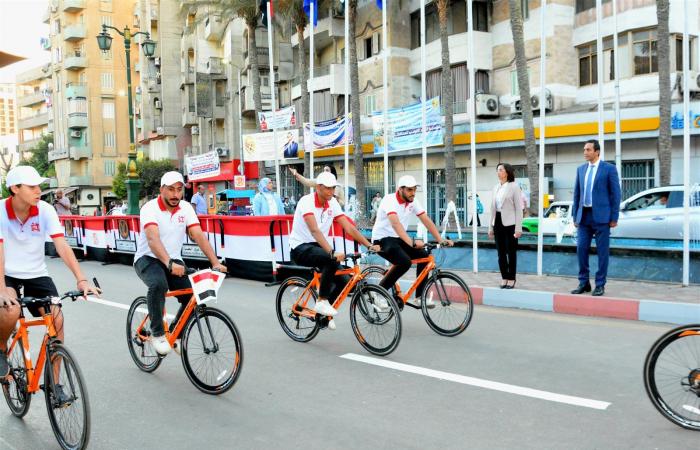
[[104, 41]]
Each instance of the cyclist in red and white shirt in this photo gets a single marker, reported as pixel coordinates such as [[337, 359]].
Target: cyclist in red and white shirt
[[313, 218], [25, 223], [165, 223], [389, 232]]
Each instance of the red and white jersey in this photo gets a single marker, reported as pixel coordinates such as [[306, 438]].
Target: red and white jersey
[[24, 242], [394, 204], [172, 227], [323, 212]]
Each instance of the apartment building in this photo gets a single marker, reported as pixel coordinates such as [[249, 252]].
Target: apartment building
[[34, 106], [89, 97], [9, 155], [569, 97]]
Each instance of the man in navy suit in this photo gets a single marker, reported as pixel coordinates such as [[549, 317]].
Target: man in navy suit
[[595, 210]]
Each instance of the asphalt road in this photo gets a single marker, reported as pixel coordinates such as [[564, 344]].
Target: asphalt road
[[473, 391]]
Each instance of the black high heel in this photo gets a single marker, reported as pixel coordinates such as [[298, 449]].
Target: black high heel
[[510, 286]]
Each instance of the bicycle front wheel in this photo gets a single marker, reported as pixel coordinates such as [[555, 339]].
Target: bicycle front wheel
[[672, 376], [212, 351], [66, 398], [293, 311], [139, 342], [377, 329], [447, 304], [16, 384]]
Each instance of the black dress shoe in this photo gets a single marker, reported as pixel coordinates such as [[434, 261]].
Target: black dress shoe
[[598, 291], [582, 288]]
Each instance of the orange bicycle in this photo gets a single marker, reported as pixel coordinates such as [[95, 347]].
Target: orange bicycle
[[446, 301], [211, 348], [377, 326], [64, 389]]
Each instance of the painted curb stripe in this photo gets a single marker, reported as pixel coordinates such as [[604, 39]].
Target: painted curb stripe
[[678, 313], [584, 305], [516, 298]]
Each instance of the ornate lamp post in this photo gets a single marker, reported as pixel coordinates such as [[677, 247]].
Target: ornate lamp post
[[104, 41]]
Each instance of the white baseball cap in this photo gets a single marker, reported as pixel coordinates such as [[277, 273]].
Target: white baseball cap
[[24, 175], [326, 179], [170, 178], [406, 181]]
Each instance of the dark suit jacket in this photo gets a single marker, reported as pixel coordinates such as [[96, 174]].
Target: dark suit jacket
[[291, 150], [605, 196]]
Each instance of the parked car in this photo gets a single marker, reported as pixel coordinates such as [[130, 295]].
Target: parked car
[[657, 213], [556, 220]]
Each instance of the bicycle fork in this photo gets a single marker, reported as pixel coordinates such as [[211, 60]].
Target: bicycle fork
[[214, 345]]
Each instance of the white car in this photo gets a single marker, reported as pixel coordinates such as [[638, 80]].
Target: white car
[[657, 213]]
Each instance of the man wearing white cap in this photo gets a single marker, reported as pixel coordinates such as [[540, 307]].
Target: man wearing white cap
[[165, 223], [25, 223], [389, 231], [313, 219]]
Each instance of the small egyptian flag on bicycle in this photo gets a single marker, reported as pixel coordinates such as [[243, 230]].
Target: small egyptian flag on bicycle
[[206, 284]]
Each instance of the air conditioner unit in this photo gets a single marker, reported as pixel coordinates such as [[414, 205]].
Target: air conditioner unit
[[693, 81], [157, 62], [194, 130], [515, 107], [158, 104], [222, 151], [160, 130], [537, 101], [486, 105], [75, 133]]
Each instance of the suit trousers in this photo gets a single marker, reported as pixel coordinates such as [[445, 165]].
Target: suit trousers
[[587, 230], [507, 248]]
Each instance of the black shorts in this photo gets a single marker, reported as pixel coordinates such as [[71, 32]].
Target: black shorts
[[33, 287]]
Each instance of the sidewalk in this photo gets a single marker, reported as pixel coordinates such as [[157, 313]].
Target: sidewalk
[[646, 301]]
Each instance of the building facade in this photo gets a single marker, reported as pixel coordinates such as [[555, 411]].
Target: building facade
[[9, 152]]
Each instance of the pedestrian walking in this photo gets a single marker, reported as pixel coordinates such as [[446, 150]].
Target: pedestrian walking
[[506, 224], [199, 201], [595, 210]]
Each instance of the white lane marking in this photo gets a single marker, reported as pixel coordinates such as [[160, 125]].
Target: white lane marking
[[692, 409], [486, 384], [102, 301], [2, 440]]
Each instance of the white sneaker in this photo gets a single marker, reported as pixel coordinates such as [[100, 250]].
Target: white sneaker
[[331, 324], [161, 345], [325, 309], [429, 303], [379, 302]]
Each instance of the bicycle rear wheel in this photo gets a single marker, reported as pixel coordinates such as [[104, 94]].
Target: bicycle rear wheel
[[454, 307], [374, 274], [212, 351], [378, 331], [16, 384], [299, 327], [672, 376], [66, 399], [140, 348]]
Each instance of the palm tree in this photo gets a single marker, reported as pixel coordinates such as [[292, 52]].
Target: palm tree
[[358, 159], [447, 101], [516, 26], [662, 47]]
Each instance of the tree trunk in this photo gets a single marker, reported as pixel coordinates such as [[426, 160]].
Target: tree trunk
[[662, 47], [447, 101], [303, 70], [516, 26], [351, 46]]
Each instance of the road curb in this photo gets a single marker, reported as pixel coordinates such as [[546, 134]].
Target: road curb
[[585, 305]]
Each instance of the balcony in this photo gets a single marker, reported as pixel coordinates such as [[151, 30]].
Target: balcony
[[72, 6], [187, 76], [75, 63], [28, 145], [330, 77], [77, 120], [188, 117], [215, 66], [79, 152], [248, 105], [75, 90], [39, 120], [263, 57], [31, 99], [74, 32], [35, 74], [81, 180], [58, 153], [325, 31], [213, 28]]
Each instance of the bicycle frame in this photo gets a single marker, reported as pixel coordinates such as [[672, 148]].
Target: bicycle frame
[[174, 336], [430, 261], [315, 283], [33, 372]]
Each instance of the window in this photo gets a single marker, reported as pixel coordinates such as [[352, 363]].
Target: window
[[370, 104], [374, 178], [108, 110], [644, 46], [637, 176], [109, 140], [587, 65], [367, 45], [585, 5], [107, 80], [480, 16], [521, 171], [110, 167], [654, 200], [679, 53], [437, 202], [457, 21], [106, 20]]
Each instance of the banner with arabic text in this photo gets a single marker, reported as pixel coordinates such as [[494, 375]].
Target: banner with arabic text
[[329, 133], [284, 118], [404, 130], [203, 166]]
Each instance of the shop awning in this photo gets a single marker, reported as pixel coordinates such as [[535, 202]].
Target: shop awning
[[232, 193], [66, 191]]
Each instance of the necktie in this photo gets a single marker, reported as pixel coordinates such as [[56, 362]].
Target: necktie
[[588, 191]]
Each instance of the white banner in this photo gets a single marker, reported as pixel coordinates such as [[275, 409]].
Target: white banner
[[283, 118], [203, 166], [260, 146]]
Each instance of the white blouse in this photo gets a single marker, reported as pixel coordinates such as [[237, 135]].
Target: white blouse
[[500, 194]]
